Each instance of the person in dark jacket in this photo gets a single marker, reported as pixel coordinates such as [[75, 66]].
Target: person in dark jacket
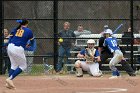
[[64, 47]]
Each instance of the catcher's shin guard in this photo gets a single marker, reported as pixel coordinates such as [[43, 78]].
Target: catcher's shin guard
[[79, 72]]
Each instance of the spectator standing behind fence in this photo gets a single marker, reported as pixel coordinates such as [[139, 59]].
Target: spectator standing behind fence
[[137, 41], [29, 51], [6, 61], [65, 46]]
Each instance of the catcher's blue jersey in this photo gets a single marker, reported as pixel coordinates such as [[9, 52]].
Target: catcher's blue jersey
[[111, 43], [21, 36], [83, 51]]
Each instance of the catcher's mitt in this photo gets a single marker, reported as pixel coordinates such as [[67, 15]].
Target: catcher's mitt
[[89, 56]]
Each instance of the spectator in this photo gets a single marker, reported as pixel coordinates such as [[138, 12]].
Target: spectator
[[6, 61], [105, 27], [65, 46], [137, 41], [90, 64], [29, 51], [126, 37], [105, 54], [80, 31]]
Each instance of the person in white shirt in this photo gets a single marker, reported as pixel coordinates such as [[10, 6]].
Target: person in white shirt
[[80, 31]]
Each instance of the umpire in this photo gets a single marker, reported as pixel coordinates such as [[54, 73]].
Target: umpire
[[105, 54]]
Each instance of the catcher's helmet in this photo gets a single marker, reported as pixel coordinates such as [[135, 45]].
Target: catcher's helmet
[[91, 41], [108, 31]]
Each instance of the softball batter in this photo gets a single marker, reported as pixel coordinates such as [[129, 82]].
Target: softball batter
[[90, 64], [17, 42], [112, 44]]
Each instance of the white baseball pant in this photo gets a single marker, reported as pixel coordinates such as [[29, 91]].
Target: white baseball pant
[[118, 55], [92, 68], [17, 57]]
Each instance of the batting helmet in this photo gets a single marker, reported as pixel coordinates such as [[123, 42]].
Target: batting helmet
[[108, 31], [91, 41]]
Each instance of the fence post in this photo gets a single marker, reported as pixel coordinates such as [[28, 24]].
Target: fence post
[[131, 23], [1, 38], [55, 18]]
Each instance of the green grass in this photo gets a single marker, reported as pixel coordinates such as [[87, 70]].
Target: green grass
[[37, 69]]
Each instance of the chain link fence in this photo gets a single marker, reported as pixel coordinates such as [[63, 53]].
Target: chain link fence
[[92, 15]]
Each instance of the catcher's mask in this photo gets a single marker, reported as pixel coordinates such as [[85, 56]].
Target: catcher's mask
[[90, 43]]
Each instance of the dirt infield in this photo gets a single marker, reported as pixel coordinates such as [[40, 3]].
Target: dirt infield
[[72, 84]]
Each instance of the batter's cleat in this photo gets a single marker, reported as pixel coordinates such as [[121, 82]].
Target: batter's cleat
[[117, 73], [113, 77], [9, 84]]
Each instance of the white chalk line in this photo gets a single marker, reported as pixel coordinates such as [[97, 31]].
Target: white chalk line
[[107, 90]]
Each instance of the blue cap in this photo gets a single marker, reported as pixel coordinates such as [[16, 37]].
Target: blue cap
[[19, 21]]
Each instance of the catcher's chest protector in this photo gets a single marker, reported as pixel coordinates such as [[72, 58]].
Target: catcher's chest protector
[[91, 52]]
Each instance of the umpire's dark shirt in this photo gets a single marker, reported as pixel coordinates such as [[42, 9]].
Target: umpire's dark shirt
[[67, 43], [101, 42]]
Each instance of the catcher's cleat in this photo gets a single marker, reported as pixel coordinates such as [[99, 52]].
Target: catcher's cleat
[[9, 84], [79, 72], [79, 75]]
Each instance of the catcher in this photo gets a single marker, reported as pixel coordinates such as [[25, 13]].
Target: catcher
[[90, 61]]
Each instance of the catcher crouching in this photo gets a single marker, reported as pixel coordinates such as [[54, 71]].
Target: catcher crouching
[[90, 63]]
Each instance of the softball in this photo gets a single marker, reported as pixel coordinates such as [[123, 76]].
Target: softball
[[60, 40]]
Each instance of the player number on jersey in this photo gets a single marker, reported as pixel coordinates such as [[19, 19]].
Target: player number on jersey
[[19, 33], [114, 43]]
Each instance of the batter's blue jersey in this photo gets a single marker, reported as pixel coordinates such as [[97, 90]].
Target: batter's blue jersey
[[21, 36], [83, 51], [111, 43]]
